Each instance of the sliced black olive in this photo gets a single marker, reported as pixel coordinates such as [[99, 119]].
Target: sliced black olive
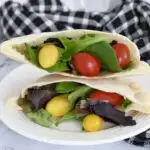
[[113, 42], [56, 41]]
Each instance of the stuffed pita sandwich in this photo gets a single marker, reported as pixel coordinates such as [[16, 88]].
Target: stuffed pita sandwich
[[78, 53], [54, 99]]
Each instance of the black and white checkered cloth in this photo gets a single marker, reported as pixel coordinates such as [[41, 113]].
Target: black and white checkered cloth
[[131, 18]]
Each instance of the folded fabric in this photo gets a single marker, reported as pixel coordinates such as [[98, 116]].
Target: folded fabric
[[131, 18]]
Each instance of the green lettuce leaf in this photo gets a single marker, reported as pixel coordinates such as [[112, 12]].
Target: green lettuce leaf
[[32, 54], [70, 116], [41, 117], [61, 51], [65, 87], [74, 46], [129, 66], [126, 102], [80, 92], [106, 55], [59, 66]]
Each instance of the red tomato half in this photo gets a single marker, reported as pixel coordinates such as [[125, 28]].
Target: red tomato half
[[122, 53], [86, 64], [112, 98]]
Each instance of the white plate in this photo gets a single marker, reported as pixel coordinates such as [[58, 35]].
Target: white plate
[[67, 134]]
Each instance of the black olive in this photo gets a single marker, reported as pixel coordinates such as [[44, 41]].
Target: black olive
[[113, 42], [56, 41]]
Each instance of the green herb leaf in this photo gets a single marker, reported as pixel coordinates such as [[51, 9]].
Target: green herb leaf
[[129, 66], [80, 92], [61, 51], [65, 87], [106, 55], [32, 54], [59, 66], [74, 46], [41, 117], [126, 102], [70, 116]]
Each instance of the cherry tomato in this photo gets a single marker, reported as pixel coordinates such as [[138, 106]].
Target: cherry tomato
[[122, 53], [112, 98], [86, 64]]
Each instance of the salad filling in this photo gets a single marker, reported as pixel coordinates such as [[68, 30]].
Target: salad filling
[[63, 101], [89, 55]]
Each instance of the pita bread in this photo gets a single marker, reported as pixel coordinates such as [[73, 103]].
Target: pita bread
[[132, 91]]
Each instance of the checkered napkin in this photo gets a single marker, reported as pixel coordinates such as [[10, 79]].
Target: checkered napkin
[[131, 18]]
